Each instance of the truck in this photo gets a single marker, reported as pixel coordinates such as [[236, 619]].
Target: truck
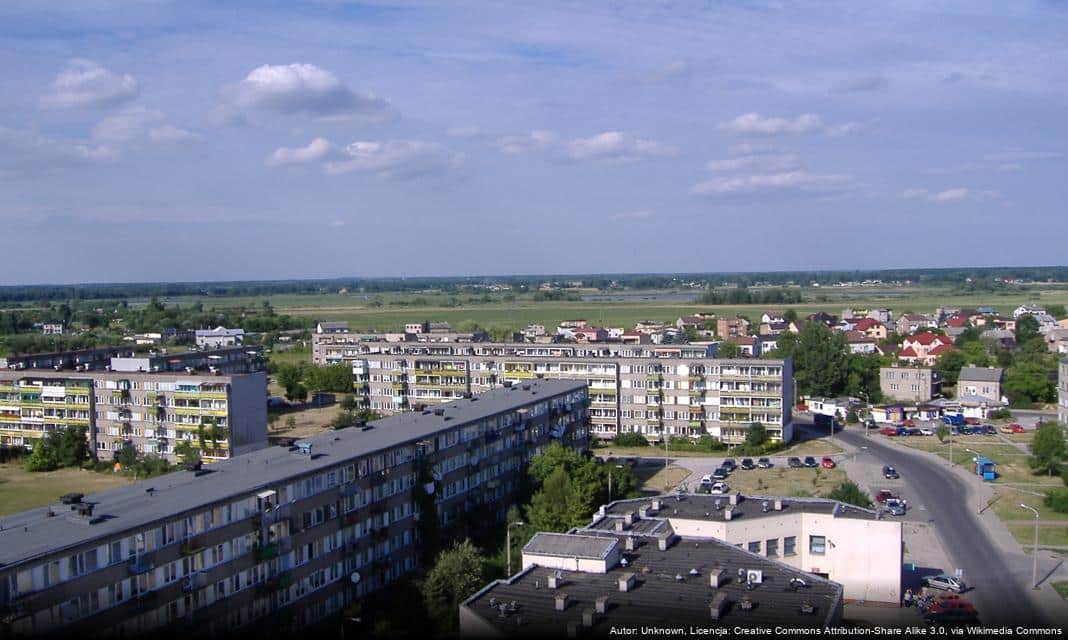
[[956, 419]]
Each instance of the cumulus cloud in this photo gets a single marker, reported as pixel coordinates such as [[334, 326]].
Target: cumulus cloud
[[300, 89], [84, 83], [24, 152], [954, 194], [615, 146], [533, 141], [764, 170], [766, 162], [138, 125], [385, 159], [807, 123]]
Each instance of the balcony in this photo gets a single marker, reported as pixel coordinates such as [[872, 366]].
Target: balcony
[[192, 545], [142, 565]]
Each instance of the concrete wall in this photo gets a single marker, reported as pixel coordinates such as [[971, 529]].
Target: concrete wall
[[585, 565], [248, 413]]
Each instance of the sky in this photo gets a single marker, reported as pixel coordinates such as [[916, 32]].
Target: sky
[[176, 141]]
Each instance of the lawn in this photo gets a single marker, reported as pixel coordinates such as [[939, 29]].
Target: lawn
[[1052, 535], [1062, 588], [816, 447], [657, 478], [21, 490], [306, 422], [1011, 462], [784, 481]]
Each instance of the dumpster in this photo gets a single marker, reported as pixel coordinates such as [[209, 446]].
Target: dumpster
[[985, 468]]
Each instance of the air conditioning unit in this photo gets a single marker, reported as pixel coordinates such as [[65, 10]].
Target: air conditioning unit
[[754, 576]]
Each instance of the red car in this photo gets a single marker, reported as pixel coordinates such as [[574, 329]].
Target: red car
[[827, 463], [884, 495], [972, 421], [887, 431], [1012, 428], [908, 423]]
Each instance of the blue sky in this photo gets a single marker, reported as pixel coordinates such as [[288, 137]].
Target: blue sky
[[161, 140]]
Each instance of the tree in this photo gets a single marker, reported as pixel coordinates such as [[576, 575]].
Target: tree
[[862, 378], [849, 493], [348, 403], [44, 456], [297, 393], [756, 435], [126, 455], [949, 365], [1047, 447], [70, 446], [728, 350], [1028, 381], [942, 432], [554, 507], [1027, 331], [790, 315], [187, 452], [455, 576], [820, 357], [630, 439]]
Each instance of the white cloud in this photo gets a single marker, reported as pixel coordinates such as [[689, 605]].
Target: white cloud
[[633, 215], [24, 152], [84, 83], [958, 193], [954, 194], [756, 124], [305, 89], [759, 162], [317, 150], [802, 181], [615, 146], [385, 159], [136, 125], [526, 143]]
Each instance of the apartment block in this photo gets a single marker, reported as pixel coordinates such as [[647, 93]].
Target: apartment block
[[283, 537], [222, 415], [667, 390], [1062, 391], [909, 384]]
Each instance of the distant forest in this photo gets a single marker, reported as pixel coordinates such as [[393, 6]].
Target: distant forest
[[971, 279]]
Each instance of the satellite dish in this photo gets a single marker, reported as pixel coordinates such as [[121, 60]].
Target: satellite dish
[[355, 577]]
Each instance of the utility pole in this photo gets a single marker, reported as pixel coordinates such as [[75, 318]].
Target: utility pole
[[1034, 552]]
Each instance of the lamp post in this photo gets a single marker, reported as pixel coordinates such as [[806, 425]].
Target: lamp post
[[979, 500], [867, 399], [1034, 553], [508, 542]]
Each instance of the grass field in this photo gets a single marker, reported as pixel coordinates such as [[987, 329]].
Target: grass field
[[783, 481], [359, 311], [657, 478], [21, 490], [1062, 588], [1052, 535]]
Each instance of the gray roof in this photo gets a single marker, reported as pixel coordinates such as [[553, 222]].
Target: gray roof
[[980, 374], [712, 507], [33, 533], [570, 546]]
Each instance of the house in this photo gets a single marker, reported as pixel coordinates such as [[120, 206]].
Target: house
[[748, 346], [887, 349], [649, 327], [825, 318], [835, 407], [913, 322], [417, 328], [571, 324], [219, 337], [871, 328], [998, 338], [728, 327], [52, 328], [909, 384], [633, 337], [615, 333], [777, 328], [690, 322], [1057, 340], [924, 348], [882, 315], [440, 327], [987, 311], [769, 343], [958, 321], [332, 327], [860, 342], [770, 317], [590, 334], [1025, 309], [533, 331], [980, 383]]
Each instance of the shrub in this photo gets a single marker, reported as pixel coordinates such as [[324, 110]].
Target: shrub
[[1057, 499], [630, 440], [852, 417], [1000, 414]]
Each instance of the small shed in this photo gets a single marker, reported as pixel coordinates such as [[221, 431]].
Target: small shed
[[985, 468]]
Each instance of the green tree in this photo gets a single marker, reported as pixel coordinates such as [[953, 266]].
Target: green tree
[[70, 446], [630, 439], [455, 576], [1027, 331], [949, 365], [288, 375], [942, 432], [554, 506], [44, 456], [790, 315], [862, 379], [297, 393], [126, 455], [1028, 381], [348, 403], [187, 452], [849, 493], [728, 350], [756, 435], [820, 357], [1047, 447]]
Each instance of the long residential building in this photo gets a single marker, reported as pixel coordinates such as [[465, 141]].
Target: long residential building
[[1062, 391], [655, 390], [222, 415], [283, 537]]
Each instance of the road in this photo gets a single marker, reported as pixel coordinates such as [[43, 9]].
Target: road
[[1000, 597]]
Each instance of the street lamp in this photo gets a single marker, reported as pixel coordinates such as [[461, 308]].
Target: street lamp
[[867, 399], [1034, 553], [979, 496], [508, 542]]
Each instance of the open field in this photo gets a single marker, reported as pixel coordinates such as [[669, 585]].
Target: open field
[[784, 481], [657, 478], [1006, 504], [1062, 588], [1052, 535], [818, 447], [306, 422], [21, 490], [363, 313], [1011, 461]]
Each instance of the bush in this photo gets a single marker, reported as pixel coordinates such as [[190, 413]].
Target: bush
[[704, 444], [852, 417], [849, 493], [630, 440], [1057, 499], [1000, 414]]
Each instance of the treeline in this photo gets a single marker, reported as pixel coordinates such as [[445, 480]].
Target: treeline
[[975, 278], [751, 296]]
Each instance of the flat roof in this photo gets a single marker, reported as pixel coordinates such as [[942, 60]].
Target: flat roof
[[980, 374], [34, 533], [671, 589], [701, 506], [571, 546]]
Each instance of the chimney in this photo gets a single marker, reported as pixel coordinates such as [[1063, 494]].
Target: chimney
[[587, 617], [626, 582], [728, 514], [601, 604], [717, 577], [620, 525], [628, 518], [718, 604], [662, 543], [554, 581], [656, 505], [561, 601], [735, 498], [628, 543], [643, 512]]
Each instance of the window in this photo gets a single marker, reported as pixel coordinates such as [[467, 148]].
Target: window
[[789, 546], [772, 547], [817, 544], [754, 547]]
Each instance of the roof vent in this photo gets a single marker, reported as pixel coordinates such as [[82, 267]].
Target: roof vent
[[474, 399], [555, 580], [507, 384], [717, 606], [561, 601], [447, 418], [601, 604], [626, 582], [440, 411], [192, 465], [304, 448], [85, 509], [426, 413], [778, 505], [526, 387], [764, 506], [71, 498]]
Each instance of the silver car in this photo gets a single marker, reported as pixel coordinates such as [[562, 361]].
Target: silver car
[[894, 507], [944, 582]]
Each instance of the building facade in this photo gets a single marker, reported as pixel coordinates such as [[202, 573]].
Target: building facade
[[280, 538], [219, 337], [1062, 391], [665, 390], [222, 415], [909, 384]]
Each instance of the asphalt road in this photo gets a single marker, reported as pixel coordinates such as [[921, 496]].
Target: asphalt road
[[999, 597]]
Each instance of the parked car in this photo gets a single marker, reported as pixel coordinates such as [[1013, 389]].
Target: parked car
[[719, 488], [953, 419], [926, 432], [888, 431], [884, 495], [719, 474], [908, 423], [747, 464], [729, 465], [810, 462], [890, 473], [794, 463], [989, 430], [902, 431], [894, 507], [915, 432], [944, 582], [972, 421], [764, 463], [827, 463], [706, 479], [1012, 428]]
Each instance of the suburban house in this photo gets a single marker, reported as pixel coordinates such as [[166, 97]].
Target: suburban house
[[769, 343], [691, 322], [871, 327], [981, 382], [52, 328], [771, 317], [1057, 340], [823, 317], [748, 346], [649, 327], [633, 337], [924, 348], [1025, 309], [219, 337], [332, 327], [590, 334], [860, 342], [909, 384], [729, 327], [913, 322], [777, 328]]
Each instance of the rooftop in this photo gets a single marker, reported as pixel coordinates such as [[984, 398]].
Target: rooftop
[[700, 506], [671, 588], [33, 533], [572, 546], [980, 374]]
